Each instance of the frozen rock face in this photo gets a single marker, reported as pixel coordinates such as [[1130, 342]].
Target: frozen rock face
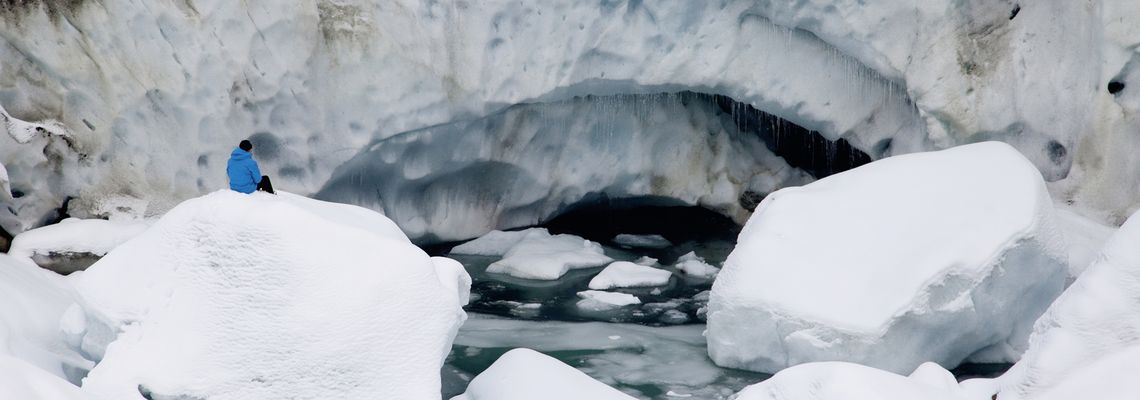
[[845, 381], [261, 296], [922, 257], [153, 119], [32, 301], [1090, 329], [524, 374]]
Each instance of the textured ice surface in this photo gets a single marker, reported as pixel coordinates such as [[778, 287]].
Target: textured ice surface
[[21, 380], [1097, 317], [846, 381], [154, 119], [542, 256], [262, 296], [626, 274], [524, 374], [922, 257], [32, 301]]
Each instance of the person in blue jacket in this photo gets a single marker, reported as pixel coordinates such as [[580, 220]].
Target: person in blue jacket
[[244, 175]]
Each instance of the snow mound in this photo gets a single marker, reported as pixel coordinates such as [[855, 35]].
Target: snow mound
[[596, 300], [922, 257], [1112, 377], [234, 296], [539, 255], [20, 380], [1096, 317], [626, 274], [32, 301], [524, 374], [693, 265], [846, 381]]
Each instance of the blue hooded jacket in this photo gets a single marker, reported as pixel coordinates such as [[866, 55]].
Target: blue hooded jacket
[[243, 171]]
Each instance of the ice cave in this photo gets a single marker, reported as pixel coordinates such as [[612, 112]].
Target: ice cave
[[562, 199]]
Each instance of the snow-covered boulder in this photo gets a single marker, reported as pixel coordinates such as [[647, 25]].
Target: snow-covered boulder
[[262, 296], [1096, 318], [846, 381], [623, 274], [73, 244], [524, 374], [922, 257], [535, 253], [32, 301]]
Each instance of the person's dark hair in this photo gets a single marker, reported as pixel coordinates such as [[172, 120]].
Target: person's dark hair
[[246, 145]]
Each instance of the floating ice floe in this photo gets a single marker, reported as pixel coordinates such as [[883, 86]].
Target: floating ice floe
[[693, 265], [524, 374], [74, 244], [1091, 329], [596, 300], [261, 296], [622, 274], [924, 257], [642, 241], [847, 381], [535, 253]]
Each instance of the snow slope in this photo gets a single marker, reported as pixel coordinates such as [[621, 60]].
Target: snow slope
[[152, 117], [922, 257], [32, 301], [262, 296], [20, 380], [1097, 318]]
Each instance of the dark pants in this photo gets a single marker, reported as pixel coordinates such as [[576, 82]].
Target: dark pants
[[265, 184]]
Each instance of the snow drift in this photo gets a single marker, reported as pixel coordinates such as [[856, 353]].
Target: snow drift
[[922, 257], [32, 301], [1088, 332], [233, 296]]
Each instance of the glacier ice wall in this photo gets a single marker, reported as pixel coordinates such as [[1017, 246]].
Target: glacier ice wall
[[149, 97]]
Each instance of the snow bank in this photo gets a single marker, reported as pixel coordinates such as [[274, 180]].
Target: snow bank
[[626, 274], [923, 257], [1097, 317], [524, 374], [261, 296], [539, 255], [20, 380], [32, 301], [1111, 377], [597, 300], [693, 265], [846, 381], [74, 238]]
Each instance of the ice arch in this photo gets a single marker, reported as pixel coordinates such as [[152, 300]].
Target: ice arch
[[149, 99]]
